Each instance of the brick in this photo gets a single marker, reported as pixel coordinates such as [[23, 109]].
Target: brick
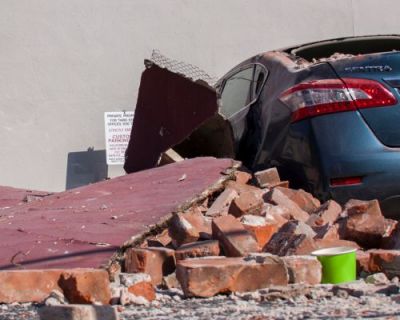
[[157, 262], [84, 287], [276, 214], [365, 229], [139, 284], [354, 207], [391, 239], [78, 312], [283, 244], [198, 249], [386, 261], [247, 203], [298, 227], [279, 196], [327, 232], [235, 240], [294, 237], [303, 199], [267, 178], [208, 277], [188, 227], [37, 285], [28, 285], [303, 269], [161, 240], [261, 230], [362, 261], [242, 188], [242, 177], [222, 203], [328, 243], [143, 289], [327, 213]]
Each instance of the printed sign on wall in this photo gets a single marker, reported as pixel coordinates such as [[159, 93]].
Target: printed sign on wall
[[118, 126]]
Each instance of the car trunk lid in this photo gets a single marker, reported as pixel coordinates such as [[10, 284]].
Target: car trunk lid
[[384, 68]]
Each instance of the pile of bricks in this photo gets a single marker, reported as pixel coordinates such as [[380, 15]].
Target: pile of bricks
[[258, 232], [253, 233]]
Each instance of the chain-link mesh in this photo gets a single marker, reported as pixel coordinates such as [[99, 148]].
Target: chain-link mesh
[[185, 69]]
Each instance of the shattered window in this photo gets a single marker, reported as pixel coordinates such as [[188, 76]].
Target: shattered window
[[235, 94]]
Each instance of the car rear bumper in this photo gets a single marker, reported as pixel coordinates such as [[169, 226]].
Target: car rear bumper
[[347, 147]]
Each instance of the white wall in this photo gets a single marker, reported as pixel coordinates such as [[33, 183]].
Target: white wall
[[65, 62]]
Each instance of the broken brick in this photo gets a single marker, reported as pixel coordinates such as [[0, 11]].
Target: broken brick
[[267, 178], [303, 269], [161, 240], [294, 237], [355, 207], [157, 262], [261, 230], [221, 205], [242, 177], [327, 213], [298, 227], [36, 285], [208, 277], [246, 203], [143, 289], [386, 261], [275, 214], [83, 287], [28, 285], [235, 240], [198, 249], [188, 227], [327, 232], [303, 199], [138, 284], [330, 243], [391, 239], [283, 244], [365, 229], [362, 261], [279, 197]]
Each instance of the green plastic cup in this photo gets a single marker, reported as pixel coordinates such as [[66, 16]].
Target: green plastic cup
[[338, 264]]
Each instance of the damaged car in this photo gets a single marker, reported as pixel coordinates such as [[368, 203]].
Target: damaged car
[[325, 114]]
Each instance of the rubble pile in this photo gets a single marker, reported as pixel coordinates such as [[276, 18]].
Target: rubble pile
[[256, 233], [251, 233]]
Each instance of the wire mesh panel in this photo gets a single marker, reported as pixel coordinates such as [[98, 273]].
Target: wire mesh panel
[[185, 69]]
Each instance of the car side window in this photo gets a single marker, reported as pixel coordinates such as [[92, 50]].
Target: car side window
[[236, 92]]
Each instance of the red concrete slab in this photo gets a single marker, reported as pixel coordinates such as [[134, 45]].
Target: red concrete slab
[[83, 227]]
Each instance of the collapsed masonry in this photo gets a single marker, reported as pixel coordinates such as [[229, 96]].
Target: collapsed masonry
[[242, 234], [244, 238]]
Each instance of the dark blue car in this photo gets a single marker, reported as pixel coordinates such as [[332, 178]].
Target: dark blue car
[[326, 114]]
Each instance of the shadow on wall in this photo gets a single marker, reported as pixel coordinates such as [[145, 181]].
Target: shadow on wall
[[85, 167]]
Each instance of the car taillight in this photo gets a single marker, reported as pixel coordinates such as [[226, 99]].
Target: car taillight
[[318, 97]]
